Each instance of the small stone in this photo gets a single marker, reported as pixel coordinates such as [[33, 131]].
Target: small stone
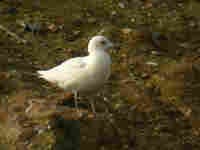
[[32, 27], [155, 53], [149, 14], [121, 5], [155, 36], [144, 75], [180, 5], [12, 10], [149, 5], [133, 20], [126, 30], [192, 24], [185, 45], [77, 22], [113, 13], [188, 113], [52, 28], [76, 32], [152, 63]]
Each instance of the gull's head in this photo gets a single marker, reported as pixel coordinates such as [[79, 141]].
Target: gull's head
[[99, 43]]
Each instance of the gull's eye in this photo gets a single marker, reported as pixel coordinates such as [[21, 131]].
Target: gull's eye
[[103, 42]]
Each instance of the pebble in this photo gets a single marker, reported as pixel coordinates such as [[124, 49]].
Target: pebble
[[152, 63], [52, 28], [192, 24], [78, 22], [133, 20], [158, 38], [32, 27], [121, 5], [185, 45], [76, 33], [155, 36], [12, 10], [144, 75], [155, 53], [126, 30], [113, 13]]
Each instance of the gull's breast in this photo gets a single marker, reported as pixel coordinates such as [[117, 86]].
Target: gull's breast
[[97, 73]]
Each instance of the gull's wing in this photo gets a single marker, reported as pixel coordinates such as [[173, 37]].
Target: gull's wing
[[65, 71], [73, 63]]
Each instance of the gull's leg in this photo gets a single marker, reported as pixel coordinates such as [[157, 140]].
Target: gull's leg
[[76, 101], [92, 106]]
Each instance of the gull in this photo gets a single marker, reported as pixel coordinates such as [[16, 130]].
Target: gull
[[83, 74]]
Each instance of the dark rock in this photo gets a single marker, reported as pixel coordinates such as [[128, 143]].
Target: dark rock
[[77, 22], [157, 37], [12, 10], [69, 137]]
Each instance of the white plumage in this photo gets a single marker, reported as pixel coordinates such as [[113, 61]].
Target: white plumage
[[83, 74]]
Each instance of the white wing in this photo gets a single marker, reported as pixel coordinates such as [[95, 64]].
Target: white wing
[[66, 71], [73, 63]]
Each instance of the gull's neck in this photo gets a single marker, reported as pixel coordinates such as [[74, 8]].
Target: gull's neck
[[96, 51], [96, 55]]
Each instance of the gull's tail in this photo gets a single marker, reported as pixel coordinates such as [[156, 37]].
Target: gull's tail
[[42, 74], [47, 75]]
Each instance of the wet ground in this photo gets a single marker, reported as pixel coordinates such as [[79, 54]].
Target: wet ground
[[152, 99]]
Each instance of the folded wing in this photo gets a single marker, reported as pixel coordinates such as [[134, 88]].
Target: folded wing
[[66, 71]]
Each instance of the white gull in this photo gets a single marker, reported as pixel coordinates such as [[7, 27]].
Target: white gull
[[83, 74]]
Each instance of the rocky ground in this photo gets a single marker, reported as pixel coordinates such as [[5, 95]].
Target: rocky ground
[[152, 100]]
